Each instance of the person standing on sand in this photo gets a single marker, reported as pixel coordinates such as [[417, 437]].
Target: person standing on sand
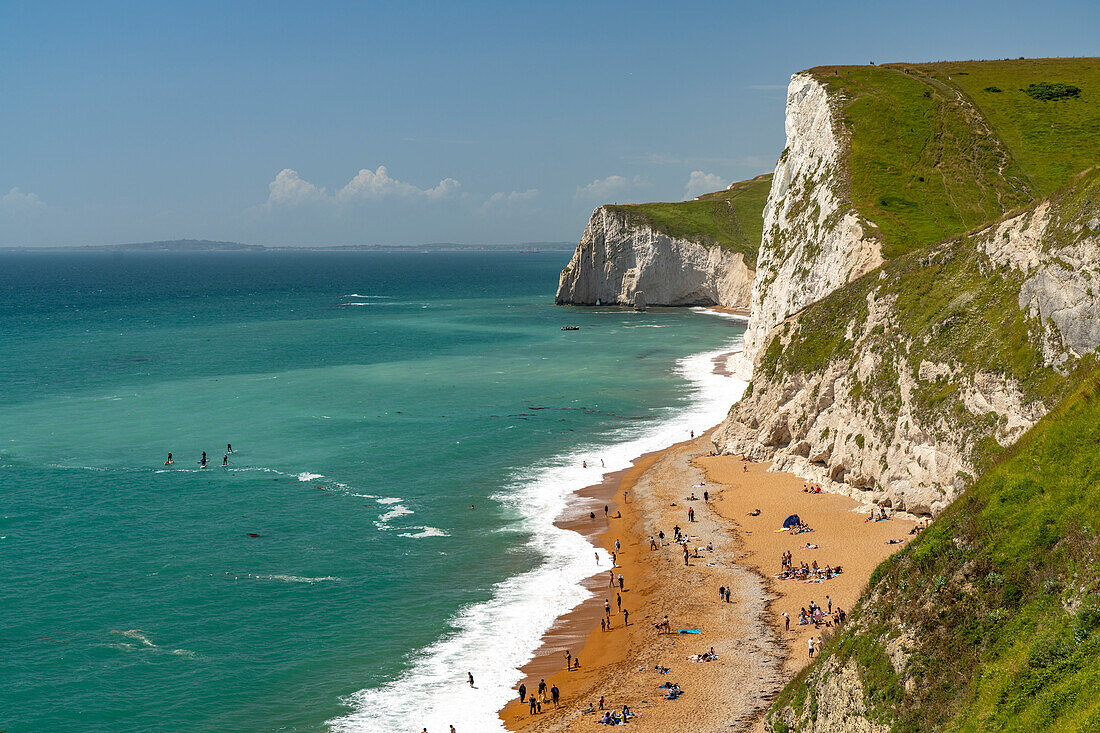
[[555, 694], [542, 689], [706, 496], [721, 592], [620, 581], [605, 511], [830, 602], [607, 608], [568, 658], [691, 514], [727, 595], [626, 617], [786, 622], [617, 548], [522, 691], [611, 580], [532, 705], [661, 536], [811, 644]]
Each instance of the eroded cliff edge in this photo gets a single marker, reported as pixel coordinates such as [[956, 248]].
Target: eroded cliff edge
[[687, 253]]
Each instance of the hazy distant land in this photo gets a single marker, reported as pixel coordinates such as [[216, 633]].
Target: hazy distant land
[[206, 245]]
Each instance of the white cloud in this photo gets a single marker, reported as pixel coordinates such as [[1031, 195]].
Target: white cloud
[[290, 189], [700, 182], [603, 189], [16, 201], [504, 198], [369, 184]]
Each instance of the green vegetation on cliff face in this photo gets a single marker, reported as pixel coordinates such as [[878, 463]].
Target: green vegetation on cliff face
[[997, 604], [733, 218], [938, 149]]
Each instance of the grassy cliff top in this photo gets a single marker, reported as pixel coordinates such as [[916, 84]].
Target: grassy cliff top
[[935, 151], [733, 218]]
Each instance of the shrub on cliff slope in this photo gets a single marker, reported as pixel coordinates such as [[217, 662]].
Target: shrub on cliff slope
[[733, 218], [990, 619]]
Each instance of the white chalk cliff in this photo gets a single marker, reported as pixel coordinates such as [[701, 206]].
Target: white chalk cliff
[[864, 425], [619, 256], [814, 241]]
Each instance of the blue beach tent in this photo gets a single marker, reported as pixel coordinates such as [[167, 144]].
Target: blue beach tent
[[791, 521]]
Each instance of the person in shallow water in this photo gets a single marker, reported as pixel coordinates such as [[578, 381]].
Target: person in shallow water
[[471, 676]]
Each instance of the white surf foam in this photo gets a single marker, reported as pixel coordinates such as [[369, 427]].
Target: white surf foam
[[495, 638], [295, 578], [307, 476], [424, 532]]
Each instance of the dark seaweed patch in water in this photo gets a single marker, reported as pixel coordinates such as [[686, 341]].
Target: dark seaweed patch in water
[[596, 412]]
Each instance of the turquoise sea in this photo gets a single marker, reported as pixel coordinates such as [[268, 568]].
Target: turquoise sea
[[406, 427]]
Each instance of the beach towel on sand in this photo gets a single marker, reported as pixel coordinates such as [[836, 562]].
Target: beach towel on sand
[[689, 631]]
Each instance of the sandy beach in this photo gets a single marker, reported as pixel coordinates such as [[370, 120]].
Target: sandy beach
[[756, 655]]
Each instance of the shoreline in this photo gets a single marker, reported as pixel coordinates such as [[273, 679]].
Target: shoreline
[[757, 656]]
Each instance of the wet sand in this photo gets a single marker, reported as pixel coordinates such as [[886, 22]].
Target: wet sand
[[756, 655]]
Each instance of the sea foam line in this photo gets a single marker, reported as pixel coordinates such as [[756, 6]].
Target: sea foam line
[[495, 638]]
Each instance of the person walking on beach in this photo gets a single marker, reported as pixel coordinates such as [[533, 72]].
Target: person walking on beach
[[811, 643], [611, 579], [721, 592], [542, 689], [607, 608], [626, 617], [522, 691], [568, 658], [617, 548], [706, 496], [555, 693], [471, 676], [691, 514], [619, 601], [786, 622], [605, 511], [727, 595], [533, 705], [830, 602], [661, 537], [620, 581]]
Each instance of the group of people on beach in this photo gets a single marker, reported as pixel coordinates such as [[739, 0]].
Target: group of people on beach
[[811, 572], [202, 461]]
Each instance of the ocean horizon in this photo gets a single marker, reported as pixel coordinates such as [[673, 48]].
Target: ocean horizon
[[405, 429]]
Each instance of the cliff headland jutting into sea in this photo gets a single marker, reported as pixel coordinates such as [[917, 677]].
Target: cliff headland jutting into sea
[[922, 281]]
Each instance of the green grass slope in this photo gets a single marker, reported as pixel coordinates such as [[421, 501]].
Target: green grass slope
[[733, 218], [931, 155], [999, 598]]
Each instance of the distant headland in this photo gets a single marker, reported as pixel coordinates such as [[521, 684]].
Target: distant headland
[[206, 245]]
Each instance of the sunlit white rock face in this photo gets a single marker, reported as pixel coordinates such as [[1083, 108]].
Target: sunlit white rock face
[[618, 258], [814, 242]]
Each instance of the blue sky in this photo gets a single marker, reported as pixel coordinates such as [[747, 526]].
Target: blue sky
[[360, 123]]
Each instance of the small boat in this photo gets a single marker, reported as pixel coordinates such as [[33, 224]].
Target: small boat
[[567, 327]]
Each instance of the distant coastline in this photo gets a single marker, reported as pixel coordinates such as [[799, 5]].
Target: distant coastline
[[205, 245]]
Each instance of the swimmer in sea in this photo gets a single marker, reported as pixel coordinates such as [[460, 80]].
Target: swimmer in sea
[[203, 461], [169, 461]]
